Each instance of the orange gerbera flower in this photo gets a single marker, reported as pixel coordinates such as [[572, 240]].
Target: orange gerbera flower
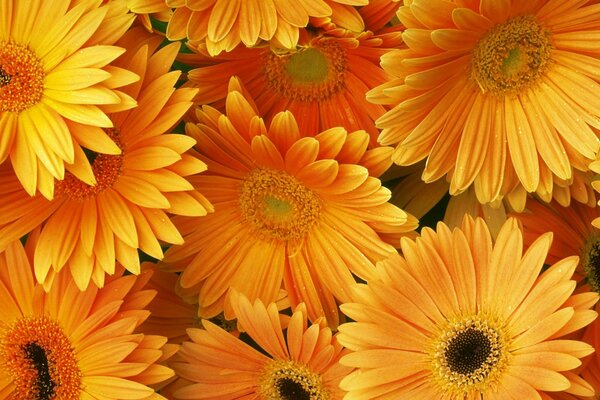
[[55, 83], [69, 344], [322, 81], [122, 202], [305, 366], [494, 93], [461, 317], [223, 24], [574, 234], [299, 210]]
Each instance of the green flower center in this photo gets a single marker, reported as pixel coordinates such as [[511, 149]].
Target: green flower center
[[512, 56]]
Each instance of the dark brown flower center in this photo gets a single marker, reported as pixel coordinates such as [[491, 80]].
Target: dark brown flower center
[[291, 390], [38, 357], [44, 383], [468, 351], [469, 355], [289, 380], [591, 262]]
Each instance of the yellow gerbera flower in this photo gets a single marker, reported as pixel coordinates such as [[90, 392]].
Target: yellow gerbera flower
[[302, 211], [494, 93], [69, 344], [300, 364], [223, 24], [322, 81], [461, 317], [122, 202], [55, 82]]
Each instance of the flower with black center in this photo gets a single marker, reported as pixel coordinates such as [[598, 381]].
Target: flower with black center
[[460, 316], [573, 234], [295, 361], [494, 93], [67, 344]]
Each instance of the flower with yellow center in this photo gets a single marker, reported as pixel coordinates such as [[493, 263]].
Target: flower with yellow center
[[223, 24], [460, 316], [55, 81], [67, 344], [296, 362], [494, 93], [322, 81], [121, 203], [289, 209]]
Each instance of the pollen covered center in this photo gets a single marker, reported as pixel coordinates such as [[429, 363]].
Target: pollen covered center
[[40, 360], [106, 167], [277, 205], [311, 73], [468, 355], [590, 260], [512, 56], [21, 77], [287, 380]]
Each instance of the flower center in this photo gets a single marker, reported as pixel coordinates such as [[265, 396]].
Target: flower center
[[590, 259], [308, 74], [287, 380], [39, 358], [467, 351], [512, 56], [106, 168], [468, 355], [277, 205], [21, 77]]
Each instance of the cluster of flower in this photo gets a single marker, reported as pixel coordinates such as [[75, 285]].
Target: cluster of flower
[[299, 199]]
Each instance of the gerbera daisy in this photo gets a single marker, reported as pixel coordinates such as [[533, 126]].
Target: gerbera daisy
[[494, 93], [299, 210], [461, 317], [322, 81], [302, 364], [574, 234], [69, 344], [121, 203], [56, 82], [223, 24]]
